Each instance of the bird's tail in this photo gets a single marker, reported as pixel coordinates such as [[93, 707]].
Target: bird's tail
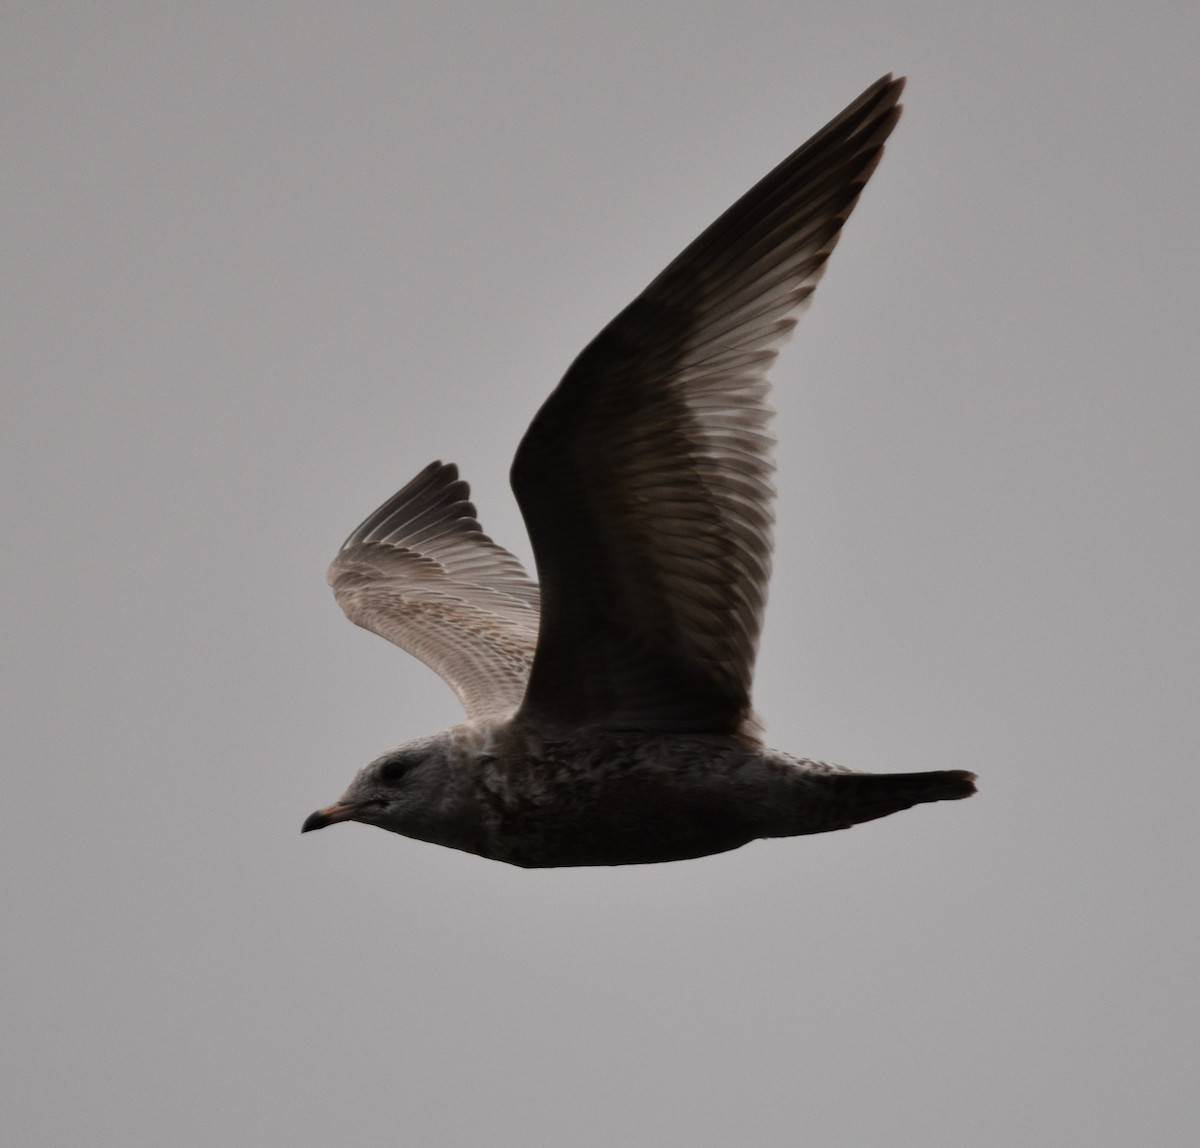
[[873, 795]]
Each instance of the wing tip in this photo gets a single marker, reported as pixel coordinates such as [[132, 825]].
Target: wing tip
[[438, 483]]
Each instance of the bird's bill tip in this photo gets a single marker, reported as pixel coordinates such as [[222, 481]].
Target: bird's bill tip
[[330, 815]]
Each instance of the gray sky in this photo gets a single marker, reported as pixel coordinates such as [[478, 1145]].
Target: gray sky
[[262, 262]]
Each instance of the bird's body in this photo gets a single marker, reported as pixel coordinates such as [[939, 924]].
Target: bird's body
[[609, 714], [536, 797]]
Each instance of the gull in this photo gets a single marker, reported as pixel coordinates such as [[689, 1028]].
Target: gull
[[609, 719]]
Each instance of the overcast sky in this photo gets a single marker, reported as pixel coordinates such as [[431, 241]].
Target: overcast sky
[[264, 261]]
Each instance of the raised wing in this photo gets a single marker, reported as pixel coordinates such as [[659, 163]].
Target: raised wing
[[645, 477], [421, 573]]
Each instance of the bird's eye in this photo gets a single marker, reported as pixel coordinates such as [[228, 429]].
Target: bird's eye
[[393, 772]]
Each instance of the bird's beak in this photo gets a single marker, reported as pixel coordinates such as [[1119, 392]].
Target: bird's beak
[[338, 811]]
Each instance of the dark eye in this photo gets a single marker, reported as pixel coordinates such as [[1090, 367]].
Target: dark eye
[[393, 772]]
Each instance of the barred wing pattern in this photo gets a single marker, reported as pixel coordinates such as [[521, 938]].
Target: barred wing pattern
[[645, 479], [421, 573]]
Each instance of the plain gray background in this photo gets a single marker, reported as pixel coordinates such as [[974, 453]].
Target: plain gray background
[[262, 262]]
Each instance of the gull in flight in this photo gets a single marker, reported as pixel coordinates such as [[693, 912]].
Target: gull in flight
[[608, 705]]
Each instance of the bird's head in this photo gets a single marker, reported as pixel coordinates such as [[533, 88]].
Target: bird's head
[[405, 791]]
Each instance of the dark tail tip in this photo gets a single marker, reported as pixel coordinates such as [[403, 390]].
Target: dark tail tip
[[951, 784], [878, 794]]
